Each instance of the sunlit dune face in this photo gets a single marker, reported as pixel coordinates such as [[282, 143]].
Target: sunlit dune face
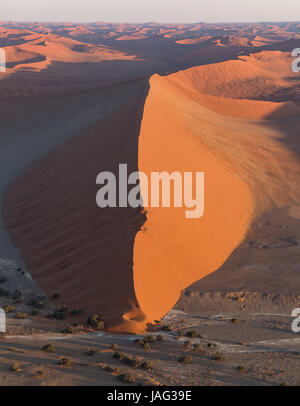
[[186, 130], [173, 251]]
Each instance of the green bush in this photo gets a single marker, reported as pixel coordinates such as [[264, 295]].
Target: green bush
[[127, 378], [146, 346], [218, 356], [95, 322], [113, 370], [21, 315], [48, 348], [132, 362], [118, 355], [93, 319], [212, 345], [185, 359], [99, 325], [198, 348], [15, 367], [147, 365], [60, 312], [65, 362], [69, 330], [149, 339], [192, 334], [9, 309]]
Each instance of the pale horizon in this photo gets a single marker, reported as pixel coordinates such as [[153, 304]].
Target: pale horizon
[[160, 12], [147, 22]]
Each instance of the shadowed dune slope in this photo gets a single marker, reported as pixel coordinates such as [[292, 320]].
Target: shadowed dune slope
[[69, 244]]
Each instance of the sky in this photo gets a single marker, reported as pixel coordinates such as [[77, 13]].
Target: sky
[[141, 11]]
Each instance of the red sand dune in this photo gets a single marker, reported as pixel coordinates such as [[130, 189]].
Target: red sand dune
[[229, 119], [39, 51], [247, 171], [257, 76]]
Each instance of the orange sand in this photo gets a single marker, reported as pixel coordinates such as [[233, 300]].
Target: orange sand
[[233, 120], [246, 172], [174, 251]]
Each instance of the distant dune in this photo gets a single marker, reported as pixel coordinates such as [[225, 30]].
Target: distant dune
[[50, 47], [249, 87]]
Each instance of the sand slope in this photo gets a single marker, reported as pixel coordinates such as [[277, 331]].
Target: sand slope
[[69, 244], [248, 170]]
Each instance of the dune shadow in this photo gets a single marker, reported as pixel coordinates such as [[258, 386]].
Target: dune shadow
[[69, 244], [287, 127]]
